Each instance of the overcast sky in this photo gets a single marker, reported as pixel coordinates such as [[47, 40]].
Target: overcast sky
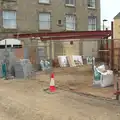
[[109, 8]]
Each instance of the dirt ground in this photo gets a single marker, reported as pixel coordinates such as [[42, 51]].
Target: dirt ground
[[27, 100]]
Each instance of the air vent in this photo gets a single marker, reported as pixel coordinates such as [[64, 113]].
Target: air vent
[[59, 22]]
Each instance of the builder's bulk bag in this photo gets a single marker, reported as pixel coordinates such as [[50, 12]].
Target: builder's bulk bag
[[103, 78], [107, 78]]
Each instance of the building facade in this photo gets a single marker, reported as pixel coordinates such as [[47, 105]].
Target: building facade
[[29, 16], [116, 37], [116, 27]]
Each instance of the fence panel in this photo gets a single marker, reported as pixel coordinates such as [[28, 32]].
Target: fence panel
[[26, 52], [116, 56]]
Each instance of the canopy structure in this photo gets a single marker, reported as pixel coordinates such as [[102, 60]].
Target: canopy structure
[[66, 35]]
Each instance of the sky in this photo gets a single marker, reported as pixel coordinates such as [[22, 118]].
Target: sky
[[109, 9]]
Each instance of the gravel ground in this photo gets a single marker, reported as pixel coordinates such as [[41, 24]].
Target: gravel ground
[[27, 100]]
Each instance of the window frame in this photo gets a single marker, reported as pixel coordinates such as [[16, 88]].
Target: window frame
[[91, 2], [49, 22], [69, 4], [3, 19], [93, 18], [74, 22], [44, 2]]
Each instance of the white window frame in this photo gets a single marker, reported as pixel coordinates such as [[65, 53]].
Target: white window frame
[[68, 20], [92, 4], [8, 19], [92, 21], [46, 21], [70, 3], [44, 1]]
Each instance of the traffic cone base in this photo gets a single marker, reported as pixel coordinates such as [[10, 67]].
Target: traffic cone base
[[52, 89]]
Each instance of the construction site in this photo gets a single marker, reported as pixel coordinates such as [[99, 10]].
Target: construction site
[[26, 91]]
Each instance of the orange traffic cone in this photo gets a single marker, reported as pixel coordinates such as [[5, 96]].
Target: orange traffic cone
[[52, 83]]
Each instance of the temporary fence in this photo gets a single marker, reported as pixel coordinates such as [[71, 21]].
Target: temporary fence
[[37, 50], [105, 50], [111, 54], [116, 55]]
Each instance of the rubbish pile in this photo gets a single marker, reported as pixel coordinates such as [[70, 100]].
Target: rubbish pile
[[102, 77]]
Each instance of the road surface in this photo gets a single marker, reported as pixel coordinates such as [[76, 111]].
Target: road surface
[[26, 100]]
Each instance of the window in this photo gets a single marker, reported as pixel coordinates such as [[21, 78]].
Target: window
[[70, 22], [44, 1], [92, 23], [70, 2], [91, 3], [9, 19], [44, 21]]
